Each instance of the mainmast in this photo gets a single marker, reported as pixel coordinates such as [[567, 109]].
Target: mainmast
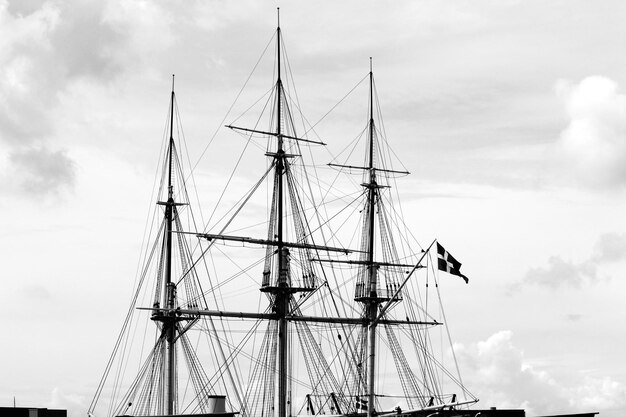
[[281, 292], [371, 302], [280, 289]]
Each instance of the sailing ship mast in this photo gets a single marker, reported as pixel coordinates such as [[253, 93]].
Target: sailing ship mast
[[369, 296], [282, 291], [168, 261], [368, 290], [372, 301], [169, 323], [277, 279], [167, 318]]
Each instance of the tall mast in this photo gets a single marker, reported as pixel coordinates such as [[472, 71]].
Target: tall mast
[[277, 280], [372, 303], [170, 287], [169, 322], [282, 292]]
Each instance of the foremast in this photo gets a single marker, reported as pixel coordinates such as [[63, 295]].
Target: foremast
[[369, 291]]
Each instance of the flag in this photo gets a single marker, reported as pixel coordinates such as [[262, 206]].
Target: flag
[[446, 262], [361, 403]]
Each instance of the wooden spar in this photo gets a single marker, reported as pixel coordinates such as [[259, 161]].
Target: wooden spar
[[389, 171], [274, 134], [272, 316], [278, 242]]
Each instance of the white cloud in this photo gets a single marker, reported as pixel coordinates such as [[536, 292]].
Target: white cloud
[[36, 292], [24, 79], [40, 53], [500, 375], [611, 247], [40, 172], [74, 404], [146, 29], [44, 49], [560, 273], [594, 140], [574, 317], [596, 393]]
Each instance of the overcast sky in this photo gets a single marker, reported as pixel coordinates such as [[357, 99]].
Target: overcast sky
[[511, 116]]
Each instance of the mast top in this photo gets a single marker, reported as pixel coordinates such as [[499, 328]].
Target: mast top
[[370, 65], [173, 75], [278, 15]]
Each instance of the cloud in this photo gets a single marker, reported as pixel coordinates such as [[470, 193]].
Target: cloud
[[611, 247], [44, 48], [41, 53], [26, 82], [145, 27], [596, 393], [74, 404], [500, 375], [559, 273], [36, 292], [40, 172], [594, 141], [574, 317]]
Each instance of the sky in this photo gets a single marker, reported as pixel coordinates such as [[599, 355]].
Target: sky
[[510, 115]]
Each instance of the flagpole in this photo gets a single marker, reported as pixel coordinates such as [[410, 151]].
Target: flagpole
[[386, 307]]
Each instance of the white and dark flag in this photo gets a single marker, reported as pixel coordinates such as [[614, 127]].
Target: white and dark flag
[[446, 262], [361, 403]]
